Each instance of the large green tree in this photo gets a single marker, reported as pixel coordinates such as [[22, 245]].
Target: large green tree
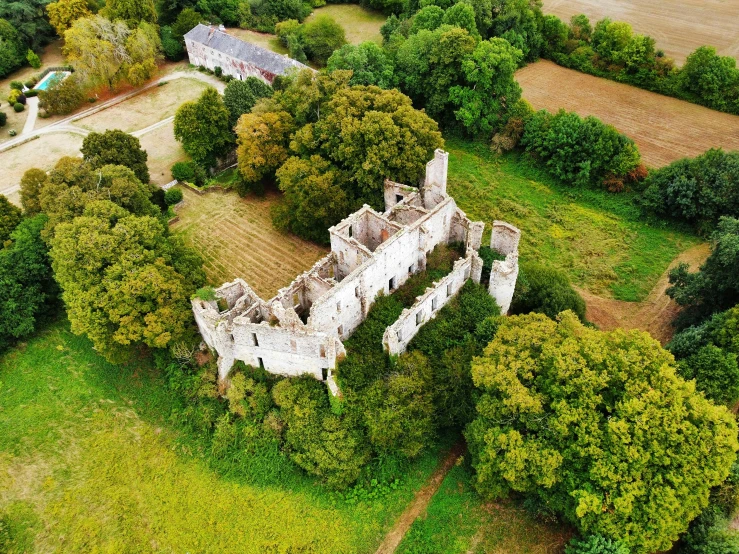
[[132, 12], [10, 217], [263, 144], [27, 18], [27, 285], [599, 427], [11, 48], [125, 282], [114, 147], [63, 13], [321, 37], [369, 63], [241, 96], [203, 127]]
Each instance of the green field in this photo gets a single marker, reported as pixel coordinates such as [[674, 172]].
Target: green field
[[598, 238], [457, 521], [91, 463]]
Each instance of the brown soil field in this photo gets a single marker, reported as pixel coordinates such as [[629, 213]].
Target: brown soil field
[[655, 314], [146, 108], [163, 151], [236, 239], [664, 128], [678, 26]]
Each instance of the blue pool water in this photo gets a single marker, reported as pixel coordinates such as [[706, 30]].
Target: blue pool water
[[51, 79]]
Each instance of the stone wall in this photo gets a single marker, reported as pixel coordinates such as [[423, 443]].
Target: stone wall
[[200, 54], [399, 334], [504, 274]]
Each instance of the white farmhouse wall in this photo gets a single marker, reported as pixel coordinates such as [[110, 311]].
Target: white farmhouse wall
[[200, 54]]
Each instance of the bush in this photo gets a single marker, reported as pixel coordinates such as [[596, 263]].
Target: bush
[[33, 60], [716, 373], [545, 290], [183, 171], [321, 37], [3, 118], [173, 196], [12, 132], [595, 544], [18, 107], [16, 85], [205, 293], [31, 93], [14, 95], [218, 71], [62, 98]]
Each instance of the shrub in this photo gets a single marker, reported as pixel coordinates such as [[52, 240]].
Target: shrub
[[183, 171], [14, 95], [321, 37], [3, 118], [595, 544], [18, 107], [205, 293], [30, 84], [545, 290], [16, 85], [218, 71], [12, 132], [31, 93], [33, 60], [716, 373], [173, 196]]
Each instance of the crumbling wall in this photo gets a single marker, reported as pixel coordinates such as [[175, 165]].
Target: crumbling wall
[[397, 336], [434, 186], [503, 275]]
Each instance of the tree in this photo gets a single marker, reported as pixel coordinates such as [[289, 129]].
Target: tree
[[241, 96], [710, 77], [202, 127], [27, 285], [314, 199], [10, 217], [545, 290], [28, 20], [63, 97], [171, 47], [599, 427], [11, 49], [107, 52], [168, 10], [187, 19], [369, 63], [371, 134], [31, 183], [114, 147], [63, 13], [715, 287], [461, 15], [321, 37], [490, 88], [595, 544], [428, 17], [124, 281], [73, 184], [132, 12], [263, 141], [716, 373]]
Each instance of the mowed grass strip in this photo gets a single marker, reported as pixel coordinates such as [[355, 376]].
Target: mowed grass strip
[[91, 463], [163, 151], [598, 238], [458, 521], [665, 129], [235, 237], [147, 108]]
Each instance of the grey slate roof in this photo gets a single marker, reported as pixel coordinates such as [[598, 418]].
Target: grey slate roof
[[245, 51]]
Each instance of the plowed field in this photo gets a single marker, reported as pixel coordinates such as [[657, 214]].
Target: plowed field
[[665, 129], [236, 239], [678, 26]]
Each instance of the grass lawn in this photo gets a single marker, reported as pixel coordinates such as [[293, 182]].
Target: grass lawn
[[597, 238], [91, 463], [144, 109], [457, 521], [163, 151], [236, 239], [360, 24]]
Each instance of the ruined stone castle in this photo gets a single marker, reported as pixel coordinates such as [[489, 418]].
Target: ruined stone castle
[[300, 331]]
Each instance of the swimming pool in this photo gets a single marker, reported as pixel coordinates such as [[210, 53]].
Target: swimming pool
[[51, 79]]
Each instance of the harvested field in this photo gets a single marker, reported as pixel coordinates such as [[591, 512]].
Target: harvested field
[[236, 239], [146, 108], [679, 26], [163, 151], [665, 129], [42, 152]]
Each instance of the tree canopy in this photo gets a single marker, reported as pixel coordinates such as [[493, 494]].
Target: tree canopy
[[10, 217], [124, 281], [369, 63], [114, 147], [132, 12], [599, 427], [63, 13], [241, 96], [203, 127]]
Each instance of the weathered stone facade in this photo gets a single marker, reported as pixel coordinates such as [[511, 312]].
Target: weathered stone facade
[[300, 330], [210, 47]]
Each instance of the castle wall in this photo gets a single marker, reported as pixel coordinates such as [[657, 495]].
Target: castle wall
[[399, 334]]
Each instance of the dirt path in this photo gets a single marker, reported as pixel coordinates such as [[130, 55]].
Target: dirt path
[[653, 314], [420, 502]]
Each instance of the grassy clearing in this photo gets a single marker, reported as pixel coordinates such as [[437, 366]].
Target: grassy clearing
[[458, 522], [144, 109], [360, 24], [92, 464], [164, 151], [597, 238], [236, 239]]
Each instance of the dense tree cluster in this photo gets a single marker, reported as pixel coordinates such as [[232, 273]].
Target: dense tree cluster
[[545, 290], [114, 147], [330, 165], [202, 126], [574, 416], [314, 41]]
